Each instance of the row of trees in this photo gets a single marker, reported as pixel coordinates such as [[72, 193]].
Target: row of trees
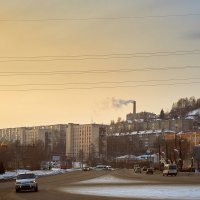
[[183, 106], [15, 156]]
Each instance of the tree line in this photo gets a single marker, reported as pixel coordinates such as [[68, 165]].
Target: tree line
[[15, 156], [183, 106]]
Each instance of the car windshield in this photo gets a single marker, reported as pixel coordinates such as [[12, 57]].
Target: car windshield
[[26, 176]]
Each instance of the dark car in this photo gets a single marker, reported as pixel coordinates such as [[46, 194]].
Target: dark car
[[86, 169], [137, 170], [144, 168], [149, 171]]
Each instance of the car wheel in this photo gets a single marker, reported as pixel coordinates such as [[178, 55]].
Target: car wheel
[[17, 190], [36, 189]]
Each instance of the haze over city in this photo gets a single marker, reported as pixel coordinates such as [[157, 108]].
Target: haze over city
[[74, 61]]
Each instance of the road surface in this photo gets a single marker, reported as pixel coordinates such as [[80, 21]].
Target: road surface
[[50, 187]]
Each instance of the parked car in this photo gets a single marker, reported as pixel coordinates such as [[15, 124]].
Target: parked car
[[86, 169], [45, 165], [137, 170], [26, 181], [170, 169], [144, 168], [100, 167], [149, 171], [109, 168]]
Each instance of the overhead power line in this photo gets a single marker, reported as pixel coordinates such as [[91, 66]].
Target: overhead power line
[[97, 56], [100, 82], [98, 18], [155, 53], [99, 87], [98, 71]]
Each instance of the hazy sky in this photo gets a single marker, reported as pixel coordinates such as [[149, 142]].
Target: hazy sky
[[65, 61]]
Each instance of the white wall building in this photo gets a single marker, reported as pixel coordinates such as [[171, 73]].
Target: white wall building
[[83, 141]]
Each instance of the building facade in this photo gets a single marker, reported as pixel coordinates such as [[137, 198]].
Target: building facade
[[13, 134], [53, 137], [86, 141]]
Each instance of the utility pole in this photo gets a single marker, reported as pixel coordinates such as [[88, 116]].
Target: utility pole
[[166, 150], [159, 156], [81, 158], [180, 154]]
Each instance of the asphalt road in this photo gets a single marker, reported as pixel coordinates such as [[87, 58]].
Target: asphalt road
[[49, 187]]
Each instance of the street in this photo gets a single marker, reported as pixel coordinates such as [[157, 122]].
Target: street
[[68, 185]]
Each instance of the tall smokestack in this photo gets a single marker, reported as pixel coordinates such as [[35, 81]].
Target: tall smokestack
[[134, 108]]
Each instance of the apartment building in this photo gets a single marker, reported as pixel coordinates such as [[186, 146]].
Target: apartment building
[[52, 136], [86, 141], [13, 134], [134, 143], [57, 138]]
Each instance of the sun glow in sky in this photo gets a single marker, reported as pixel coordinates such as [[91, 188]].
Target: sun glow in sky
[[64, 61]]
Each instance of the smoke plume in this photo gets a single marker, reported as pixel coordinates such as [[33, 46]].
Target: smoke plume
[[118, 103]]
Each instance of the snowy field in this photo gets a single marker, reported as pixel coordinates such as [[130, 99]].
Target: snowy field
[[178, 192]]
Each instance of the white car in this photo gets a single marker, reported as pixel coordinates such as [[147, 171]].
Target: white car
[[26, 181], [109, 168], [100, 167], [170, 169]]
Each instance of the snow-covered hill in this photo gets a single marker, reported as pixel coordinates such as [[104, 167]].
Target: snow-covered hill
[[193, 114]]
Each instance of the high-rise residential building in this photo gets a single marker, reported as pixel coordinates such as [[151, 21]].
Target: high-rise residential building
[[53, 137], [85, 141], [13, 134]]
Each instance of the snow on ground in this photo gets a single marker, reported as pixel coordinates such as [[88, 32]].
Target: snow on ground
[[107, 179], [53, 171], [156, 192], [191, 115], [183, 192], [195, 112], [7, 175]]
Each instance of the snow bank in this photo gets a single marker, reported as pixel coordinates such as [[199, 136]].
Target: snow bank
[[53, 171], [107, 179]]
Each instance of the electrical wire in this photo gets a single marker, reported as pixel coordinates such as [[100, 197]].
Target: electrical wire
[[99, 18], [101, 82], [99, 87], [101, 57], [106, 55], [91, 71]]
